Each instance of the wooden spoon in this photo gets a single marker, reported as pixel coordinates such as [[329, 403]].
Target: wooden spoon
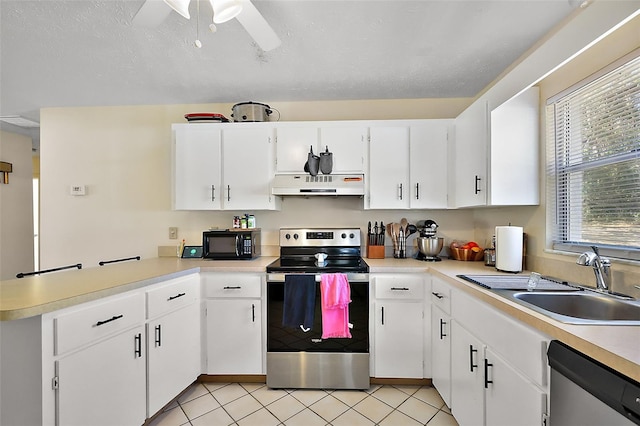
[[403, 225]]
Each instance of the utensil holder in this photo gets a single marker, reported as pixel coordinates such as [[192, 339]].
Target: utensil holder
[[375, 252], [400, 249]]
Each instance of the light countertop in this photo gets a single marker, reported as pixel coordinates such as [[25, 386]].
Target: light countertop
[[616, 346]]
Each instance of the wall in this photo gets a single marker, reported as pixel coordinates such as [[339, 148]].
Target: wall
[[16, 206], [122, 155]]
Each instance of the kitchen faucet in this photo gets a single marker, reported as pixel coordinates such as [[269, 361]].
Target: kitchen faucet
[[601, 268]]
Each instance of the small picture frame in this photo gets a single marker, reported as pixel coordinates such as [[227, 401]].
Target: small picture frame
[[191, 252]]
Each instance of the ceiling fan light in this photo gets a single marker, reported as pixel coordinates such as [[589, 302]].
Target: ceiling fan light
[[224, 10], [180, 6]]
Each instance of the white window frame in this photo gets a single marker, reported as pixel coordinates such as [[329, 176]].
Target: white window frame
[[556, 226]]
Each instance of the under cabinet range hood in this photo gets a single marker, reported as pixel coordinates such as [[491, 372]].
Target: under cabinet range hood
[[336, 184]]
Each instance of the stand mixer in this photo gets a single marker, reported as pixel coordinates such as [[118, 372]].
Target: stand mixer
[[429, 245]]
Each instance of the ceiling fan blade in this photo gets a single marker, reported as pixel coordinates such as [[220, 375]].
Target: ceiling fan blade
[[151, 14], [257, 27]]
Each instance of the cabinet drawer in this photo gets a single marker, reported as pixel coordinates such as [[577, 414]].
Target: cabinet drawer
[[441, 295], [399, 287], [172, 295], [231, 285], [80, 326]]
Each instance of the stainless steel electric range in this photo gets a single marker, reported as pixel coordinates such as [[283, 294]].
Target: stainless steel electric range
[[297, 354]]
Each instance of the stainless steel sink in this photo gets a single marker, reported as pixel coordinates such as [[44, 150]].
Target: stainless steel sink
[[579, 307]]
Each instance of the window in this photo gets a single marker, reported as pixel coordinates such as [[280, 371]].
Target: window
[[593, 162]]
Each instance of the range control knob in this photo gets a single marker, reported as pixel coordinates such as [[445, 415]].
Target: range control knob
[[352, 236], [288, 236], [344, 235], [295, 236]]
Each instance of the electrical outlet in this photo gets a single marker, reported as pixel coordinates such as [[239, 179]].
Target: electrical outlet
[[173, 233]]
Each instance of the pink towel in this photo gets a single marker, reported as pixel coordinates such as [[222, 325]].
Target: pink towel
[[335, 296]]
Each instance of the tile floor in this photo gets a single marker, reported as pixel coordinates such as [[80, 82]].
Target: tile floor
[[244, 404]]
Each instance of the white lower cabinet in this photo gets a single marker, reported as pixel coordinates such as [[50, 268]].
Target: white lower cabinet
[[510, 397], [398, 326], [103, 384], [498, 367], [173, 339], [441, 353], [234, 323], [467, 374]]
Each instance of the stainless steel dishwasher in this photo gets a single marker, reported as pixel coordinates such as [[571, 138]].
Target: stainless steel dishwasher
[[585, 392]]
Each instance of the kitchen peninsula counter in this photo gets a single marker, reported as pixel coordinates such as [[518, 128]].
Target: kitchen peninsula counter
[[615, 346]]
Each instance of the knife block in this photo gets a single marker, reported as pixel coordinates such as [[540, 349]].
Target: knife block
[[375, 252]]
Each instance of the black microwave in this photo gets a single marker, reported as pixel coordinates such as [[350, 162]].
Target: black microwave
[[231, 244]]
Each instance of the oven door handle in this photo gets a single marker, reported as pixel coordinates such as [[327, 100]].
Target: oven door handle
[[278, 277]]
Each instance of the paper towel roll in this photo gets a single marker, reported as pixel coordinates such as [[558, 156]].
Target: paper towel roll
[[509, 248]]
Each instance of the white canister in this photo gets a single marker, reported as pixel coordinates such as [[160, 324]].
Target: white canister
[[509, 248]]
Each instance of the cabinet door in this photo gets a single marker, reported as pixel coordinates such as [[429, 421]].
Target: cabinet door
[[389, 168], [503, 383], [104, 384], [467, 368], [398, 339], [173, 342], [248, 168], [514, 166], [293, 146], [347, 145], [428, 165], [234, 336], [441, 353], [469, 171], [196, 167]]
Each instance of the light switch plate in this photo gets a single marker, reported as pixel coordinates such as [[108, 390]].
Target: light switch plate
[[78, 189]]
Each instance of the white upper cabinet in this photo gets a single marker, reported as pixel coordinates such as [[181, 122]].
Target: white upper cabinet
[[388, 176], [248, 168], [197, 173], [292, 148], [514, 159], [495, 159], [408, 165], [228, 167], [345, 141], [469, 163], [428, 164]]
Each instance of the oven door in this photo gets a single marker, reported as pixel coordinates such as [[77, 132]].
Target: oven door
[[299, 359]]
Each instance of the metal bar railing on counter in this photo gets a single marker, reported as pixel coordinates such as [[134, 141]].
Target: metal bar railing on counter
[[104, 262], [44, 271]]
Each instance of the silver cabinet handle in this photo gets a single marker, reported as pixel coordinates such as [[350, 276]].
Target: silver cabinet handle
[[417, 191], [213, 192], [228, 192], [158, 335], [137, 345], [401, 191]]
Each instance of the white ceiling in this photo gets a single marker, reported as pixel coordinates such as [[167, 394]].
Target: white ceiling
[[88, 53]]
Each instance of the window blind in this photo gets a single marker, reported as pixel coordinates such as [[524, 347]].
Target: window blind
[[593, 163]]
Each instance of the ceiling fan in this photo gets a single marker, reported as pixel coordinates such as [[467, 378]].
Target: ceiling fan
[[154, 12]]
